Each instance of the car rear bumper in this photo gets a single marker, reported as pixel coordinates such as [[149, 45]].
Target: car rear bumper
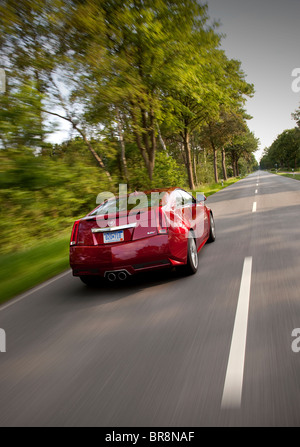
[[143, 254]]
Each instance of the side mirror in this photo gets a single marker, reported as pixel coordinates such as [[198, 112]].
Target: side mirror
[[200, 198]]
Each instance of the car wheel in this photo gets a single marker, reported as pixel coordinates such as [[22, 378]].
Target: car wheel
[[90, 280], [212, 229], [191, 266]]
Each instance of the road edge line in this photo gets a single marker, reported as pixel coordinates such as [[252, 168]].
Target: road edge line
[[35, 289]]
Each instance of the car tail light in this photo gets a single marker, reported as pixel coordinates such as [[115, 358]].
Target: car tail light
[[74, 233], [161, 221]]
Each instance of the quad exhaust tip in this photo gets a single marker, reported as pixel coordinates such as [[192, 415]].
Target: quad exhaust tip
[[111, 277], [121, 276]]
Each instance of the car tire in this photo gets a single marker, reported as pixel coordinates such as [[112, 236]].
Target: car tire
[[212, 229], [191, 266], [90, 280]]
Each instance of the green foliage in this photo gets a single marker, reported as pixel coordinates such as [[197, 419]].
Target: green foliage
[[293, 176], [41, 196], [21, 123], [284, 151], [25, 269], [212, 188], [296, 117], [136, 81], [240, 151], [168, 172]]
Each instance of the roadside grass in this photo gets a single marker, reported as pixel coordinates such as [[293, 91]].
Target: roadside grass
[[295, 176], [212, 188], [23, 270]]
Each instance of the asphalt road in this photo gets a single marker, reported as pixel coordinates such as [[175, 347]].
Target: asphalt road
[[214, 349]]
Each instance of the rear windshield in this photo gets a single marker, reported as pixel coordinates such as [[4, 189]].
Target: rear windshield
[[134, 201]]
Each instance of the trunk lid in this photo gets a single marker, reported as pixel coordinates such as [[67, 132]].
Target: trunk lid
[[117, 228]]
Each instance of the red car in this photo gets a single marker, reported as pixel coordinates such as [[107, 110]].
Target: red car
[[141, 231]]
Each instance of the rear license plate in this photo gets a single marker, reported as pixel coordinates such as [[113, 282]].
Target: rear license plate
[[115, 236]]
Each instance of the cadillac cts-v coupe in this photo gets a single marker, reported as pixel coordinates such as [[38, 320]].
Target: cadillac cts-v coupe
[[141, 231]]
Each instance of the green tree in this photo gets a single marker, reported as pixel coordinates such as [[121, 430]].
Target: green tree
[[20, 124], [296, 116], [149, 45], [217, 134], [215, 85], [284, 151], [242, 145], [133, 71], [35, 49]]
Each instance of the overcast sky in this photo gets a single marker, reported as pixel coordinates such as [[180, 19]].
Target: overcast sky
[[265, 36]]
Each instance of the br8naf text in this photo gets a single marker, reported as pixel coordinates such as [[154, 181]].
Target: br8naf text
[[170, 436]]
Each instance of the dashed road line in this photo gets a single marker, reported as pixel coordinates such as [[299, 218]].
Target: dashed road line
[[232, 392]]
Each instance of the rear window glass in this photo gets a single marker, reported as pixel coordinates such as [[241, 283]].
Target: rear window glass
[[136, 201]]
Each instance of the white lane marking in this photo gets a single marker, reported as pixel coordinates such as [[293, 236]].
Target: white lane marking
[[31, 291], [256, 191], [254, 207], [232, 393]]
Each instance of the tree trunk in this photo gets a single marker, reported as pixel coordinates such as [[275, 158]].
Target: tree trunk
[[152, 149], [144, 154], [187, 150], [195, 168], [94, 153], [215, 152], [237, 167], [233, 165], [40, 117], [215, 158], [146, 140], [224, 164], [163, 145], [182, 153], [205, 161], [122, 146]]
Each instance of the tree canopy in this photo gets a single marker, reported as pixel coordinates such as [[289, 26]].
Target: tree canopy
[[148, 95], [284, 152], [142, 70]]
